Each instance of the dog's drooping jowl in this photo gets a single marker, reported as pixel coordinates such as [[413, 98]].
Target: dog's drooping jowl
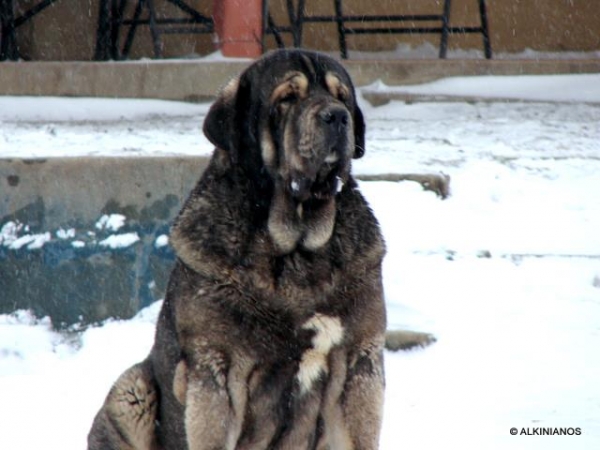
[[272, 330]]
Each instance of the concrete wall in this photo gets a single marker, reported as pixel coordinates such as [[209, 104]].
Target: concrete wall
[[66, 31], [57, 257]]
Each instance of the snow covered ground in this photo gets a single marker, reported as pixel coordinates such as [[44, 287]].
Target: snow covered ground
[[506, 272]]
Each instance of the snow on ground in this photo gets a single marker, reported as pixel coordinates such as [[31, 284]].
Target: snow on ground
[[506, 272], [550, 88]]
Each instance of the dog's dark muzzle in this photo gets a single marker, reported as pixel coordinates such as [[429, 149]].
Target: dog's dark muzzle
[[321, 174], [335, 120]]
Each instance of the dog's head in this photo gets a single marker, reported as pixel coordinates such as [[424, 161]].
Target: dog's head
[[291, 121]]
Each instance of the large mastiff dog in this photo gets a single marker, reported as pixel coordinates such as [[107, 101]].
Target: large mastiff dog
[[272, 330]]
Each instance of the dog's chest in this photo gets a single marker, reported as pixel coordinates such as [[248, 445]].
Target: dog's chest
[[303, 281], [299, 318], [298, 391]]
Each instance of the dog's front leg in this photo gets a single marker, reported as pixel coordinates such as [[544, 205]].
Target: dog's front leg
[[363, 405], [214, 399]]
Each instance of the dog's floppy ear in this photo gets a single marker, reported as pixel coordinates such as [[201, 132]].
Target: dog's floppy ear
[[359, 133], [219, 123]]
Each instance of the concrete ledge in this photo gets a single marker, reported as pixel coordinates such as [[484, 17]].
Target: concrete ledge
[[74, 191], [181, 80], [420, 71], [84, 239], [193, 80]]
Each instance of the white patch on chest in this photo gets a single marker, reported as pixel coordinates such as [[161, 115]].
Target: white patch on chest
[[329, 332], [339, 185]]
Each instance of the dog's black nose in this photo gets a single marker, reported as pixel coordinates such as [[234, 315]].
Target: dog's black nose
[[334, 116]]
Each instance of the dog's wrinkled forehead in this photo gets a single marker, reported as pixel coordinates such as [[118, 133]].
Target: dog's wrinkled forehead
[[299, 84], [300, 74]]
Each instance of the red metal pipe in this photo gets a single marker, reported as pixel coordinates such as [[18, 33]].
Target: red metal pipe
[[238, 24]]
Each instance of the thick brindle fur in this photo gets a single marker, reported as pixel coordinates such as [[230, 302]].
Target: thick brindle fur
[[272, 330]]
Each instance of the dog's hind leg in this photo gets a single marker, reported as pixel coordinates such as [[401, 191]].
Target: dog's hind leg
[[126, 420]]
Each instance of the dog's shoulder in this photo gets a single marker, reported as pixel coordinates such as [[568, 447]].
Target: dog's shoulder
[[214, 220], [357, 229]]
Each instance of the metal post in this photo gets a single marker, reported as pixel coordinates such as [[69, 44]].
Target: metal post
[[487, 45], [8, 47], [339, 18], [156, 43], [102, 32], [445, 29]]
